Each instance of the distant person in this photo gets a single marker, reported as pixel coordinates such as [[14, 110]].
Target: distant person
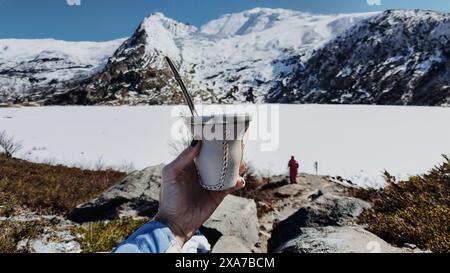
[[293, 169]]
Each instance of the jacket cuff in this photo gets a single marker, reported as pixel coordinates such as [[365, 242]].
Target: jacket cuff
[[153, 237]]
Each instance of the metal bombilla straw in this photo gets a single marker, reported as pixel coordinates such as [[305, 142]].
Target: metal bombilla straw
[[186, 94]]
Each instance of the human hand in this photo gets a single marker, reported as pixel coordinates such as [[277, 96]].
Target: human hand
[[184, 205]]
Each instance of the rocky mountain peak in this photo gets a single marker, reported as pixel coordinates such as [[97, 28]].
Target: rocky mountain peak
[[155, 37], [159, 22]]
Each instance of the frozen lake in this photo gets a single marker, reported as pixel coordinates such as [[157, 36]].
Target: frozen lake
[[355, 142]]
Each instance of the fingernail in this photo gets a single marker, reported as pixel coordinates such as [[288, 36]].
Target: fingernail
[[194, 143]]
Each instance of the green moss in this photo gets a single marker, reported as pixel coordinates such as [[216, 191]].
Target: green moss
[[415, 211], [104, 236]]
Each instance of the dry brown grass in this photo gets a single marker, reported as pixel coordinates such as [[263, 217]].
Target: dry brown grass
[[49, 189], [261, 189]]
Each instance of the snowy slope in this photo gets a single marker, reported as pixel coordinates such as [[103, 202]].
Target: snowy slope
[[163, 36], [236, 57], [399, 57], [248, 49], [31, 64]]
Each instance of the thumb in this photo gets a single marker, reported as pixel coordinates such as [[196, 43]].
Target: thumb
[[187, 156], [240, 184]]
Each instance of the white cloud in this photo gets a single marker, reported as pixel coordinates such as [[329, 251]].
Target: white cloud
[[374, 2], [74, 2]]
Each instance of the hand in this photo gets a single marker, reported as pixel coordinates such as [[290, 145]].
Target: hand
[[184, 205]]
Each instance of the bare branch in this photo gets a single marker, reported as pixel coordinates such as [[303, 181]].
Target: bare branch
[[9, 145]]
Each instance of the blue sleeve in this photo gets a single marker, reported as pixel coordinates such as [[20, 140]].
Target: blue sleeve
[[153, 237]]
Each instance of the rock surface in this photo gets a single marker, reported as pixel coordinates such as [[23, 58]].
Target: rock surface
[[334, 239], [313, 201], [236, 216], [230, 244], [318, 215], [327, 210], [136, 195], [55, 236], [50, 242]]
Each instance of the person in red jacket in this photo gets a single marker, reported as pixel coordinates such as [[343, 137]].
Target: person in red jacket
[[293, 168]]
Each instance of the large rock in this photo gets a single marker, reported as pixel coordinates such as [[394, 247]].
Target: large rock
[[338, 210], [50, 242], [230, 244], [337, 240], [326, 210], [236, 216], [136, 195], [51, 233]]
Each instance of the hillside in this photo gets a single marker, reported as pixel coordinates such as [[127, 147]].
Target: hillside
[[318, 214], [31, 66], [396, 58]]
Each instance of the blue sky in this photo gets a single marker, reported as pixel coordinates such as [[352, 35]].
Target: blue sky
[[100, 20]]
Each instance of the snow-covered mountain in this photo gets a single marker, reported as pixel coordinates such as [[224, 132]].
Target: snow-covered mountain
[[273, 55], [29, 65], [233, 58], [399, 57]]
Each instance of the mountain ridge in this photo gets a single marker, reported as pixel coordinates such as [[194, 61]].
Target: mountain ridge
[[218, 68], [397, 58], [258, 55]]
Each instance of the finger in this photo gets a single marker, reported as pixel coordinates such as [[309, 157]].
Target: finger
[[220, 195], [240, 184], [242, 168], [187, 156]]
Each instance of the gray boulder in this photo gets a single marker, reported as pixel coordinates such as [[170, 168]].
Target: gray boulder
[[337, 240], [338, 210], [230, 244], [237, 217], [136, 195], [50, 242], [326, 210]]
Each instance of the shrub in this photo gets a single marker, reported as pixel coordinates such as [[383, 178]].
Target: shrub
[[415, 211], [9, 145]]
